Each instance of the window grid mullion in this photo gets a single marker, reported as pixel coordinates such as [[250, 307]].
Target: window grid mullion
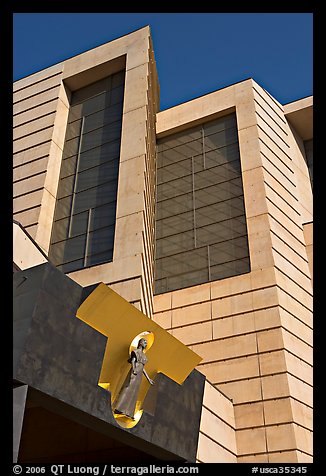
[[234, 255], [75, 178]]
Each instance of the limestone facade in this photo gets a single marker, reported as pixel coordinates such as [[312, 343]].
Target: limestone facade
[[254, 331]]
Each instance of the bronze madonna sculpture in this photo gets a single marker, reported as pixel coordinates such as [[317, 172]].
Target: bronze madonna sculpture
[[127, 399]]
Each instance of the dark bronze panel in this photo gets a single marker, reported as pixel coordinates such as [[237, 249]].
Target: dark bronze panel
[[60, 357]]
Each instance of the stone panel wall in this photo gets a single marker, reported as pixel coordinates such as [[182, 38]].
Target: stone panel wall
[[254, 331]]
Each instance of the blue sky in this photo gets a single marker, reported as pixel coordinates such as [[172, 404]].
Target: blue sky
[[196, 53]]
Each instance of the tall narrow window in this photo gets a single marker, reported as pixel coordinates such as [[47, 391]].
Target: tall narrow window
[[84, 221], [201, 232]]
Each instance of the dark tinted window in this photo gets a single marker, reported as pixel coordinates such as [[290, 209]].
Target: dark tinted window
[[84, 222], [201, 231]]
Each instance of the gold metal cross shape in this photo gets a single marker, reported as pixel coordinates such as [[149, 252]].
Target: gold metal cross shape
[[109, 313]]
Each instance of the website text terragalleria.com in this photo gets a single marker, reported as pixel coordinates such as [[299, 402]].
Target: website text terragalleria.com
[[113, 469]]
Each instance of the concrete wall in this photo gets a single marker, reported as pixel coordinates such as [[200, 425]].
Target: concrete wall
[[25, 253], [254, 331], [40, 112], [41, 106], [308, 236], [217, 442]]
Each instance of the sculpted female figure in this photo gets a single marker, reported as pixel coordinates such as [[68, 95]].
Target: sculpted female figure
[[127, 399]]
